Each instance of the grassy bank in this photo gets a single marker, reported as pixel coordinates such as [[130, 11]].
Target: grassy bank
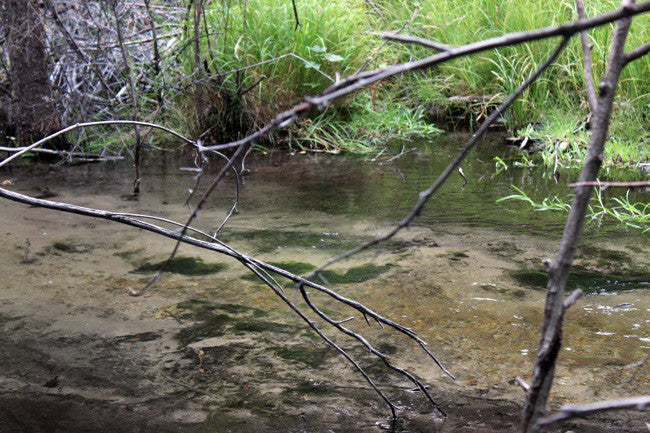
[[339, 39]]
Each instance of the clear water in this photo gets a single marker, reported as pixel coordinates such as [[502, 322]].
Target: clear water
[[450, 277]]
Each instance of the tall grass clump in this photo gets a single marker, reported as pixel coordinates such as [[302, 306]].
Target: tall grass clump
[[256, 61], [560, 93], [277, 63]]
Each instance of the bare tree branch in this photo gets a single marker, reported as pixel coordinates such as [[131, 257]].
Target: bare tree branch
[[639, 184], [586, 58], [415, 40], [64, 153], [295, 14], [637, 53], [253, 264], [88, 124], [425, 195], [571, 411], [558, 270]]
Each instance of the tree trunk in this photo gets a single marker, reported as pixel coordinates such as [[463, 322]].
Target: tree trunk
[[33, 109]]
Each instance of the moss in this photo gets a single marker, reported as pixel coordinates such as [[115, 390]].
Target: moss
[[387, 348], [355, 275], [231, 318], [587, 280], [183, 266], [238, 308], [126, 255], [211, 327], [297, 268], [493, 288], [606, 256], [454, 255], [635, 248], [505, 249], [308, 355], [245, 324], [68, 247]]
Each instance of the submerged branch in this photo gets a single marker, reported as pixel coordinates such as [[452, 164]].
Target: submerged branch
[[570, 411], [639, 184]]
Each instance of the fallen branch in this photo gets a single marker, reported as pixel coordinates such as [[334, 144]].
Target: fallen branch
[[64, 153], [571, 411], [639, 184]]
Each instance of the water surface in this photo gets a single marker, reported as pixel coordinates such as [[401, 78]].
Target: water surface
[[217, 350]]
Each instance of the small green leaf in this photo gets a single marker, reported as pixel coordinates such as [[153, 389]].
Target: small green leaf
[[334, 58]]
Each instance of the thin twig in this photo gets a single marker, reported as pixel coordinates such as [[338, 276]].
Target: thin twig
[[587, 64], [295, 14], [415, 40], [637, 53], [134, 100], [367, 345], [86, 125]]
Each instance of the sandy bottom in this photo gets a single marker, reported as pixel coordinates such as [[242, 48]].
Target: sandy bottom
[[219, 352]]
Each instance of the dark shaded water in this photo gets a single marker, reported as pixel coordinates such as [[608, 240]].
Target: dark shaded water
[[210, 349]]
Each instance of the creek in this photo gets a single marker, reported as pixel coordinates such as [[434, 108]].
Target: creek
[[210, 349]]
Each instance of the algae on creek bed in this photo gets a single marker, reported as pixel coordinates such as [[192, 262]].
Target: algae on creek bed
[[236, 319], [183, 266], [357, 274], [591, 282]]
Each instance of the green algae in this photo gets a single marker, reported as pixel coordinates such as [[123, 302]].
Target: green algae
[[306, 354], [67, 247], [357, 274], [183, 266], [297, 268], [589, 281], [219, 319]]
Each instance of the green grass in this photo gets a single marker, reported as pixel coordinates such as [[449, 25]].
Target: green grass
[[337, 38]]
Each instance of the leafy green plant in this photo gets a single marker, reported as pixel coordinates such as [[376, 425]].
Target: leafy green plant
[[549, 203], [635, 215]]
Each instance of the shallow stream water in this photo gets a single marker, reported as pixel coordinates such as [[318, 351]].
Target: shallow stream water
[[208, 348]]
